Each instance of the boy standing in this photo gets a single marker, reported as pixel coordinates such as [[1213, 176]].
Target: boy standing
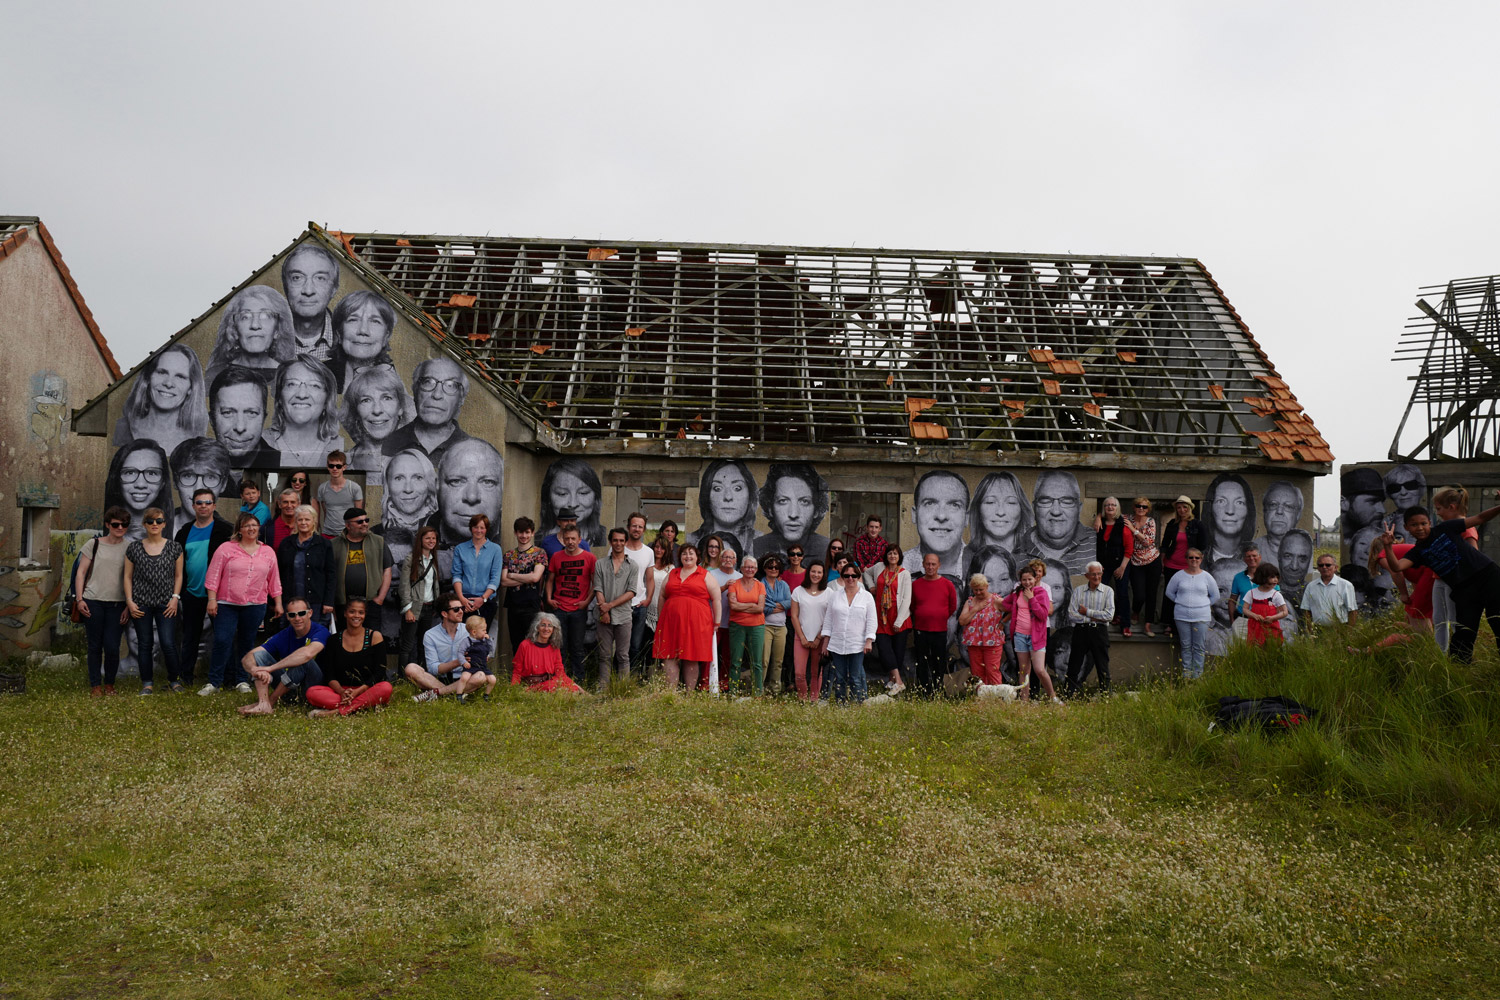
[[337, 495]]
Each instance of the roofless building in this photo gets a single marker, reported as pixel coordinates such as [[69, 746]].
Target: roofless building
[[776, 394]]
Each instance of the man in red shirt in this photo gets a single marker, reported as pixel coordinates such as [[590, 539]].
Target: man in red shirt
[[570, 585], [869, 547], [934, 600]]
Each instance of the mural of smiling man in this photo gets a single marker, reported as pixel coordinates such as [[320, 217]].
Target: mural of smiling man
[[940, 509], [310, 278], [1057, 502]]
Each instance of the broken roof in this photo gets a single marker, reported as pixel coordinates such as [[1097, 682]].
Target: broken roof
[[1455, 396], [822, 346]]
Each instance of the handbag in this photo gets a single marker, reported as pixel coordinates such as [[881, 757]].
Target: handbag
[[74, 615]]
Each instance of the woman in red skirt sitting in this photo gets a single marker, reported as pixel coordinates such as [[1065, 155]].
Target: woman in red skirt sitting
[[538, 661]]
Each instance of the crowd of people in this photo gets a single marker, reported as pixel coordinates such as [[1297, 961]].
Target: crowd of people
[[307, 601]]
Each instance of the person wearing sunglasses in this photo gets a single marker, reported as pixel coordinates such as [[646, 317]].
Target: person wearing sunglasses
[[446, 646], [286, 663], [362, 567], [153, 594], [337, 495], [1193, 593], [199, 539], [1145, 565], [100, 586], [850, 621]]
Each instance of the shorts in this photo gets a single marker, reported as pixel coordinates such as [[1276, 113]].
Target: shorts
[[1022, 644], [447, 678], [478, 670]]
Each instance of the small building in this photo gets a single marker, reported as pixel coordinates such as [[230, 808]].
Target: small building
[[56, 358], [982, 404]]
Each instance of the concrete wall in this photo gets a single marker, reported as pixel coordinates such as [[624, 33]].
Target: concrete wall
[[52, 364]]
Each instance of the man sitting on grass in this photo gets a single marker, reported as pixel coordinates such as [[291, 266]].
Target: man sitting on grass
[[287, 660], [446, 645]]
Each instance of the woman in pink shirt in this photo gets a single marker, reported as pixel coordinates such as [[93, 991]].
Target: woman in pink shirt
[[1028, 607], [242, 577]]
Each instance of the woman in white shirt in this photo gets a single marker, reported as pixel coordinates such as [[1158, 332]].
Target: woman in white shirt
[[656, 580], [850, 623], [809, 644]]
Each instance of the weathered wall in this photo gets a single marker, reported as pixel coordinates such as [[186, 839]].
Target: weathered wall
[[51, 365]]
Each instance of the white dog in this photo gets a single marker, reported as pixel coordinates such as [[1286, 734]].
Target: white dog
[[1005, 692]]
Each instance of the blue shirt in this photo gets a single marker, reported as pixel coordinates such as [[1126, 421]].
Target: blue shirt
[[777, 593], [441, 649], [195, 565], [281, 644], [262, 514], [477, 571]]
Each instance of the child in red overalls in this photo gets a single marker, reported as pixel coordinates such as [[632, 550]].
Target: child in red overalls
[[1264, 607]]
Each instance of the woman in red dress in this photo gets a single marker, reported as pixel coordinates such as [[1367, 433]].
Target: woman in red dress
[[689, 616], [538, 661]]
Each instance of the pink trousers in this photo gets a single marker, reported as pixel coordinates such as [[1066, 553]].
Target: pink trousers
[[323, 696]]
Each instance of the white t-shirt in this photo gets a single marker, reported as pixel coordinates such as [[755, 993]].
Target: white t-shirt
[[335, 502], [644, 560], [1261, 594], [810, 610]]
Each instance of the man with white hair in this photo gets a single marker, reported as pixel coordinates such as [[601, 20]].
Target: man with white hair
[[1090, 612]]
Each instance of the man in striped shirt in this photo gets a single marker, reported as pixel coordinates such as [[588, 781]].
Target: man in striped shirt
[[1092, 610]]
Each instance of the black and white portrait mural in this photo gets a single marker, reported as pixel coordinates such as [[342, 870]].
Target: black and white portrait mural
[[140, 477], [305, 423], [166, 403], [1059, 532], [254, 332], [439, 388], [239, 401], [1405, 487], [199, 464], [572, 484], [471, 477], [1362, 516], [1295, 562], [310, 278], [363, 323], [409, 500], [940, 509], [1281, 510], [794, 500], [375, 406], [1000, 515], [1229, 516], [727, 502]]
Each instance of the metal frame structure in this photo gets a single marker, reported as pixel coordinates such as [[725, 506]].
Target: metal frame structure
[[1456, 391], [830, 347]]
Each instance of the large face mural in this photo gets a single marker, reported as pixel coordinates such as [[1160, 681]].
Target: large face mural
[[571, 484], [794, 501], [293, 374], [1369, 503], [728, 500]]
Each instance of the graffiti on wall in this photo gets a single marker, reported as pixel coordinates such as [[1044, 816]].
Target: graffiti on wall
[[294, 373], [47, 419]]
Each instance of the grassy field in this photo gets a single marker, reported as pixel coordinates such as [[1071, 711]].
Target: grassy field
[[653, 845]]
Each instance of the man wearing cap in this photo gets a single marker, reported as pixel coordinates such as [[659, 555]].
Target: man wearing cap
[[566, 518], [1175, 538], [361, 566]]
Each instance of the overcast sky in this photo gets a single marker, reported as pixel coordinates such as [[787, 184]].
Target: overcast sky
[[1324, 161]]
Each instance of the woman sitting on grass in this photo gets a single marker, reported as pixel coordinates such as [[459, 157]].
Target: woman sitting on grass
[[538, 661], [1264, 607], [353, 666]]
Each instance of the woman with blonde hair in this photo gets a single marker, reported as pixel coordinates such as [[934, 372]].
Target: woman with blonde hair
[[255, 331], [1027, 608], [168, 403]]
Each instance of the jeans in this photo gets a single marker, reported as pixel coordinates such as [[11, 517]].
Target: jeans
[[193, 613], [637, 632], [574, 625], [614, 644], [410, 645], [234, 636], [298, 678], [1121, 587], [1194, 638], [774, 655], [746, 642], [1090, 653], [849, 677], [104, 630], [1144, 583], [930, 660], [167, 628], [1444, 613]]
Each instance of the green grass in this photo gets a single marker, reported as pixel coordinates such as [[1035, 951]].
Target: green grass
[[660, 846]]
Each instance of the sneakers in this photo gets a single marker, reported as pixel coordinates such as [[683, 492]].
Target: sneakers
[[243, 688], [424, 696], [177, 687], [207, 690], [895, 689], [1056, 700], [463, 699], [145, 690]]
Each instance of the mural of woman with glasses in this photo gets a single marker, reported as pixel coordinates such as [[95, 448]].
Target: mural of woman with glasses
[[255, 331], [140, 477], [305, 426]]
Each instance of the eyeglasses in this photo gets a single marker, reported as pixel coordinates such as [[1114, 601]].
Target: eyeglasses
[[1143, 506], [298, 614], [246, 315], [208, 480], [154, 520], [1327, 565], [794, 555], [1195, 558], [335, 465], [119, 524], [429, 384], [458, 608], [302, 385], [359, 520], [1050, 502], [850, 576], [1392, 489], [152, 476], [203, 503]]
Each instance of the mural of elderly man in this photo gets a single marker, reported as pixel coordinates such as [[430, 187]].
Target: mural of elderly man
[[940, 509], [439, 387], [1281, 509], [471, 478], [1294, 562], [794, 500], [310, 277], [1057, 502]]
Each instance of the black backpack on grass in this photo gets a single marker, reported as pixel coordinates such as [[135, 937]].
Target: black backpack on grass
[[1275, 714]]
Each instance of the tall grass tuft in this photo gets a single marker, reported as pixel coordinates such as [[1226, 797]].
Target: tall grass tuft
[[1404, 727]]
